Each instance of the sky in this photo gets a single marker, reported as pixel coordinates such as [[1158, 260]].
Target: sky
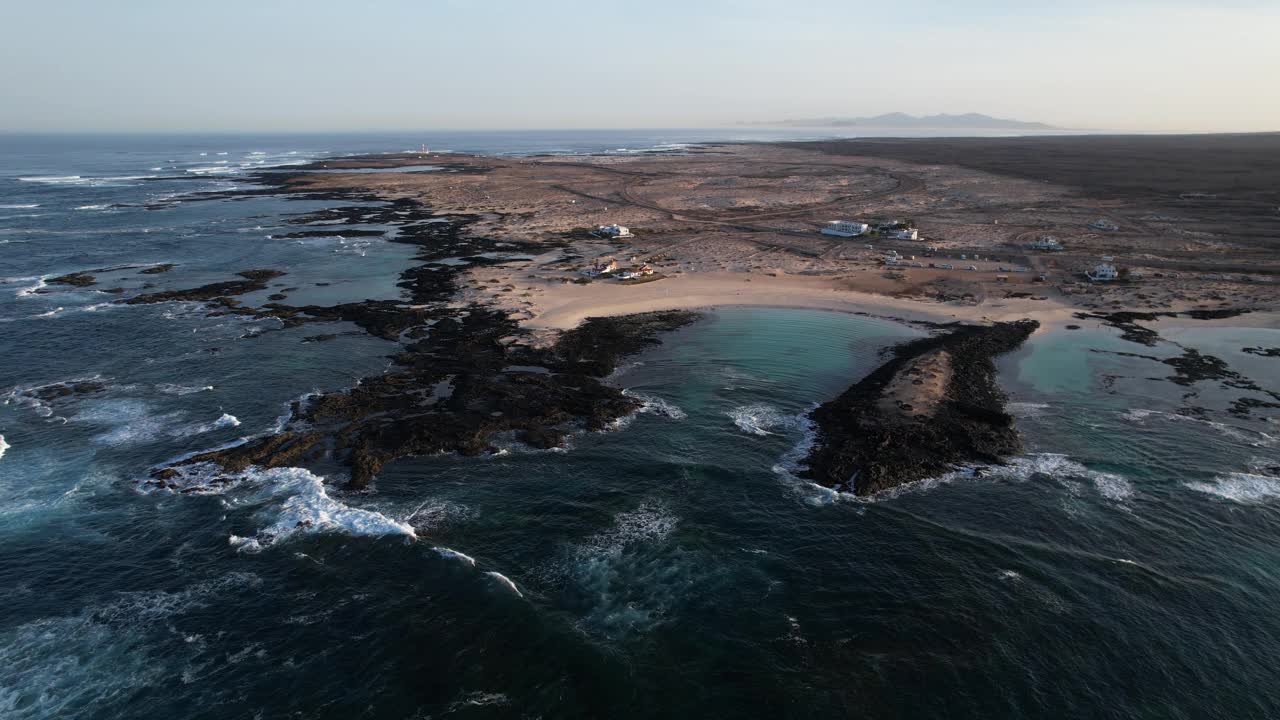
[[316, 65]]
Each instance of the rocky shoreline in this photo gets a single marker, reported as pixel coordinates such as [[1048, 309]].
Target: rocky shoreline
[[934, 405], [463, 376]]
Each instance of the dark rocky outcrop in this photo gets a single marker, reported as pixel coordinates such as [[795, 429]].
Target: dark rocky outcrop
[[933, 405], [157, 269], [76, 279], [253, 280], [1126, 321], [454, 389]]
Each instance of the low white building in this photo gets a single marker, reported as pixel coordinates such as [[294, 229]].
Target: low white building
[[903, 234], [1103, 273], [1104, 224], [614, 231], [844, 228]]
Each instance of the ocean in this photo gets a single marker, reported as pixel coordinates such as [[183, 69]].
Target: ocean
[[675, 565]]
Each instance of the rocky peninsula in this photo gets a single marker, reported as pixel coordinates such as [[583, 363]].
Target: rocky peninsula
[[934, 405]]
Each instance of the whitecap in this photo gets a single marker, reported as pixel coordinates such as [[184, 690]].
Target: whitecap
[[505, 581], [93, 207], [227, 420], [1240, 487], [173, 389], [297, 501], [20, 206], [455, 555], [3, 446], [51, 179]]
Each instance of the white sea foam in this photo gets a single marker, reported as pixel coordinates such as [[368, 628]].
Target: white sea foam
[[227, 420], [33, 289], [1141, 416], [20, 206], [55, 665], [1245, 488], [298, 502], [762, 419], [172, 389], [477, 699], [27, 396], [505, 581], [656, 406], [1067, 472], [51, 179], [649, 522], [3, 446], [93, 207], [80, 180], [629, 575], [132, 422], [455, 555]]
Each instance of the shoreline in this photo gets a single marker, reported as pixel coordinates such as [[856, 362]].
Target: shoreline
[[535, 336]]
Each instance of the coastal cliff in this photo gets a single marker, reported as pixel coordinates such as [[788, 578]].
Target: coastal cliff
[[933, 405]]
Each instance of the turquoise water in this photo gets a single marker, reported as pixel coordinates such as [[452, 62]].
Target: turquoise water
[[675, 566]]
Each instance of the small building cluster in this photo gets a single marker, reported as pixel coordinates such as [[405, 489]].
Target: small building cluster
[[1047, 243], [613, 231], [1104, 224], [898, 230]]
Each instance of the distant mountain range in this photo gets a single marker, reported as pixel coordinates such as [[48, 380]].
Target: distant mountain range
[[903, 120]]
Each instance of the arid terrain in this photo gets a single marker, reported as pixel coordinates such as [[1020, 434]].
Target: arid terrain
[[1192, 225]]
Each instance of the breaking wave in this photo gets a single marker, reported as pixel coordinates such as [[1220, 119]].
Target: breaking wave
[[505, 581], [455, 555], [3, 446], [293, 501], [1241, 487], [762, 419]]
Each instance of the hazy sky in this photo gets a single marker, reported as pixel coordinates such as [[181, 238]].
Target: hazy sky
[[417, 64]]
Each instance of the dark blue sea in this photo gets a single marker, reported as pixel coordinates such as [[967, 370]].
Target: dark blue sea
[[1126, 566]]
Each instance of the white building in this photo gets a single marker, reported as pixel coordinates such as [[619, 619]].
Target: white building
[[1103, 273], [614, 231], [1048, 243], [1104, 224], [844, 228], [903, 234]]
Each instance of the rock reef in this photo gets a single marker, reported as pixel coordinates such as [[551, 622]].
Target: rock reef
[[934, 405], [463, 377]]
